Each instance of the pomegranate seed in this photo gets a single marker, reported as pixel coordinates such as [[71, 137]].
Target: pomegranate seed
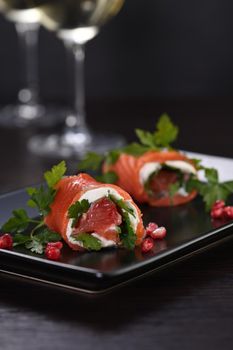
[[228, 212], [52, 253], [57, 245], [151, 227], [217, 213], [159, 233], [147, 245], [218, 204], [6, 241]]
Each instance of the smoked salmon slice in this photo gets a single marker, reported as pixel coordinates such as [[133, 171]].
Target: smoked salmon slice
[[112, 217], [148, 177]]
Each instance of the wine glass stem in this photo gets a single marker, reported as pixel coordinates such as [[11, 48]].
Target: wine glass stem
[[79, 104], [28, 45]]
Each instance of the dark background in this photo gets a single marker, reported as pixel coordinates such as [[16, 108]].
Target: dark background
[[155, 56], [153, 48]]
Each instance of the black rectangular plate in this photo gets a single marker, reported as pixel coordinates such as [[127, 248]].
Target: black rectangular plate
[[189, 228]]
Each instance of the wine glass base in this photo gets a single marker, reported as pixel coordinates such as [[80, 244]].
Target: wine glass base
[[55, 145], [21, 116]]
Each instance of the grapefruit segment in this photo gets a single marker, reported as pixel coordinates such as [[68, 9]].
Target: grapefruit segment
[[160, 183], [101, 218]]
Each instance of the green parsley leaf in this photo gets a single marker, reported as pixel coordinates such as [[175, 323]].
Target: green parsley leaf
[[197, 163], [21, 239], [31, 203], [89, 242], [173, 189], [55, 174], [194, 184], [18, 222], [46, 236], [37, 242], [211, 175], [127, 235], [122, 205], [166, 132], [146, 138], [112, 156], [228, 185], [35, 246], [41, 198], [211, 193], [77, 209], [147, 184], [91, 161], [110, 177], [135, 149], [211, 190]]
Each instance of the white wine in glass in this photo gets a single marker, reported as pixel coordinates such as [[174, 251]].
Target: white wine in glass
[[28, 110], [19, 11], [75, 22]]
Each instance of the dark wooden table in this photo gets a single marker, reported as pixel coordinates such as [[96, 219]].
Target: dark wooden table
[[186, 307]]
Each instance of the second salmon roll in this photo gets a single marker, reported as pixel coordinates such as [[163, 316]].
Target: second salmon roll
[[150, 170], [158, 178], [92, 215]]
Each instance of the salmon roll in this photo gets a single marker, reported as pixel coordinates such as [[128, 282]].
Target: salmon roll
[[91, 215], [156, 177]]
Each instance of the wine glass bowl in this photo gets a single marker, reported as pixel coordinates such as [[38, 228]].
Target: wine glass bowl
[[75, 22], [78, 20], [19, 11], [28, 110]]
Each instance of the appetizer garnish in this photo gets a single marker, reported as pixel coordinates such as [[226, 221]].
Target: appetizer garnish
[[32, 233], [6, 241], [147, 245], [53, 250], [220, 211], [154, 173], [87, 214], [152, 233], [155, 232]]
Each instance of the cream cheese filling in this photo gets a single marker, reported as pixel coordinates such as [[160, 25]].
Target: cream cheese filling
[[181, 165], [149, 168], [152, 167], [92, 196]]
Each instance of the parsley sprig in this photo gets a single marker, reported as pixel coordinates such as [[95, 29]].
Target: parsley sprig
[[42, 197], [77, 209], [212, 189], [19, 221], [32, 233], [122, 205], [127, 235], [164, 135], [88, 241], [36, 243], [110, 177]]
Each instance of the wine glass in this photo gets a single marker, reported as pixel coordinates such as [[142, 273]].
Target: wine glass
[[75, 22], [28, 110]]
